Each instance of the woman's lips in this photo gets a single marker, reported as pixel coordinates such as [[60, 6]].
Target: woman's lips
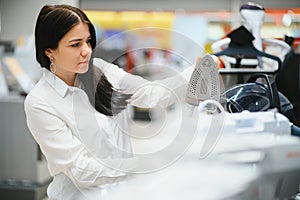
[[84, 62]]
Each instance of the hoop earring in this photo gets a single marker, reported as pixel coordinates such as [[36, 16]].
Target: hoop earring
[[52, 66]]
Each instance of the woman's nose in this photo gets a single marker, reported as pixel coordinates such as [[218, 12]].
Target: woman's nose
[[86, 49]]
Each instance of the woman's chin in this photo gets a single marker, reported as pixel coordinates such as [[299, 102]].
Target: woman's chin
[[83, 69]]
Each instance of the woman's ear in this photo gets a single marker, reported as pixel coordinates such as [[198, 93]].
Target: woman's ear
[[48, 53]]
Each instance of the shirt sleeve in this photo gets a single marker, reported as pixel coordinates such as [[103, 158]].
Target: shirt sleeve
[[146, 93], [64, 150]]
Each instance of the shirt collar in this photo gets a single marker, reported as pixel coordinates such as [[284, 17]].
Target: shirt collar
[[59, 85]]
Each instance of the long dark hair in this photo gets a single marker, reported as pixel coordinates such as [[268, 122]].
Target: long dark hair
[[53, 22]]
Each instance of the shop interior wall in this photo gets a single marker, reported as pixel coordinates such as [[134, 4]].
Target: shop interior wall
[[17, 18], [188, 5]]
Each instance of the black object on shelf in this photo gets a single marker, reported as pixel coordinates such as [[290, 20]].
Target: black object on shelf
[[288, 80], [8, 46]]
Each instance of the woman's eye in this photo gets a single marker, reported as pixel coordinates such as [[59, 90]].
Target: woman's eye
[[75, 45]]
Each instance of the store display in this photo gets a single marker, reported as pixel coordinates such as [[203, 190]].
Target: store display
[[19, 74], [24, 173], [273, 157], [253, 16], [256, 161], [257, 96], [247, 122], [241, 48]]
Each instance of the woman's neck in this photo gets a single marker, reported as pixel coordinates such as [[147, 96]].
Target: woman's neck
[[69, 79]]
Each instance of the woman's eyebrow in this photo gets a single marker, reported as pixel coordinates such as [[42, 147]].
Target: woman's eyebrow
[[75, 40], [78, 39]]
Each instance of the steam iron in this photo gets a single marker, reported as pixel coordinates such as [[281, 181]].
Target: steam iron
[[204, 86], [204, 83]]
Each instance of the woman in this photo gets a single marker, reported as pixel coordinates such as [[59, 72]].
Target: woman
[[71, 110]]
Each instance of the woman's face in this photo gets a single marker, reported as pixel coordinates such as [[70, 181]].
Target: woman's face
[[73, 52]]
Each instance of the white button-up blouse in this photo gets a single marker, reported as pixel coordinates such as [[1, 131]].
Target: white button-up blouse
[[60, 116]]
